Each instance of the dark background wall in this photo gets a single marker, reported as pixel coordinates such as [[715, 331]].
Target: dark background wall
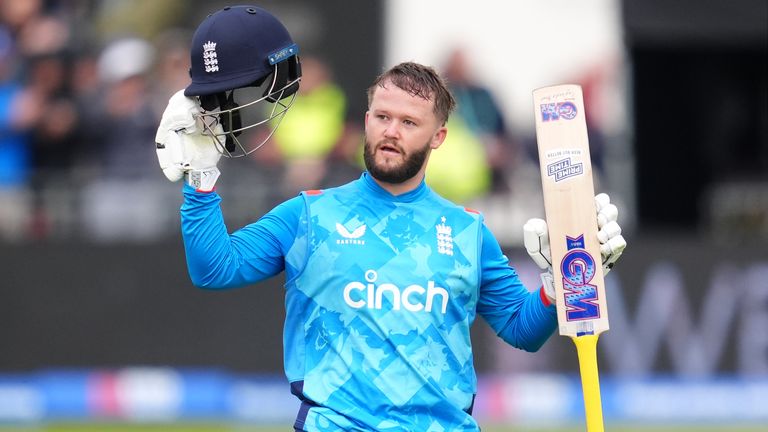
[[89, 305], [86, 305], [699, 74]]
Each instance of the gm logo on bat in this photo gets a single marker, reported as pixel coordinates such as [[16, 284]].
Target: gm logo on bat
[[578, 269], [557, 110]]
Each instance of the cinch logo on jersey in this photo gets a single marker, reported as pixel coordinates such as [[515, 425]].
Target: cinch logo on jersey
[[414, 298], [210, 58], [578, 268], [350, 237], [558, 110]]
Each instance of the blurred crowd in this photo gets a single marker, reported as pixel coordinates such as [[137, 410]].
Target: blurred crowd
[[80, 99], [82, 88]]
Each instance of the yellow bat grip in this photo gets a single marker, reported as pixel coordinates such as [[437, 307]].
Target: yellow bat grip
[[586, 347]]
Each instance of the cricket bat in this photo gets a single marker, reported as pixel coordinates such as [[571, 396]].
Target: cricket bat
[[569, 203]]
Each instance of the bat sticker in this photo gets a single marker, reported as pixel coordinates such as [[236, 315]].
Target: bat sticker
[[564, 169], [557, 110], [578, 268]]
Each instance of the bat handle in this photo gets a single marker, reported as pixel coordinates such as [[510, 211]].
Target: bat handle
[[586, 347]]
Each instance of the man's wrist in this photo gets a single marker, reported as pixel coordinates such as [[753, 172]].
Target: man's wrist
[[548, 287], [203, 180]]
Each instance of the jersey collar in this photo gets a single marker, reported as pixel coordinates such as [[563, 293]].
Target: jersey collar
[[368, 184]]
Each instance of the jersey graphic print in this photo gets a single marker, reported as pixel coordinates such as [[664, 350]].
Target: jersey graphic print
[[385, 323]]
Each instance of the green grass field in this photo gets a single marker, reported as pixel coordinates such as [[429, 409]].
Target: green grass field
[[100, 427]]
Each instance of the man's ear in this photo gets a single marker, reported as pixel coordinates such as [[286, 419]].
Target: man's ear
[[366, 119], [439, 137]]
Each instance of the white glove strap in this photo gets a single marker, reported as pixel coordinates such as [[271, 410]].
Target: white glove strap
[[548, 282], [536, 241], [202, 180]]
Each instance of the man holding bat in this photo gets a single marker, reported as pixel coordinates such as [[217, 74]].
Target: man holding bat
[[383, 277]]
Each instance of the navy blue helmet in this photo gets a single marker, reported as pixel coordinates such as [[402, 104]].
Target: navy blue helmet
[[247, 50]]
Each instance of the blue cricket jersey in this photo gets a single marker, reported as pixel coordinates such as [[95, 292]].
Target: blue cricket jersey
[[381, 292]]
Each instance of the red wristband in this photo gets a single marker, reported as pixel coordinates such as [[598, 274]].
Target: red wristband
[[543, 296]]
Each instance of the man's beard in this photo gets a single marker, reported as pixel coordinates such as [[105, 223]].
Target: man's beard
[[407, 169]]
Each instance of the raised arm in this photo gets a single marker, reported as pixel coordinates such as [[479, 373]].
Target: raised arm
[[216, 259]]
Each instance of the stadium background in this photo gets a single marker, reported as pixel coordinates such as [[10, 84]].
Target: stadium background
[[100, 323]]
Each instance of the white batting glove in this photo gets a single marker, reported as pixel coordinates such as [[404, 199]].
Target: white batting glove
[[182, 150], [612, 243], [536, 241]]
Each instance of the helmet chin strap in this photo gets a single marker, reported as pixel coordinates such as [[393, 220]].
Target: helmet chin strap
[[229, 118]]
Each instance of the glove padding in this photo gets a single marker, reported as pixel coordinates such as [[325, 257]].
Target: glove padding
[[182, 149], [612, 243]]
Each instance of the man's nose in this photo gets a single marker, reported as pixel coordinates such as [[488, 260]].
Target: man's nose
[[392, 130]]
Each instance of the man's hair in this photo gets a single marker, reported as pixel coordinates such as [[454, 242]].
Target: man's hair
[[418, 80]]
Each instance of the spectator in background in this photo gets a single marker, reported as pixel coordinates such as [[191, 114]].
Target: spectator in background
[[127, 120], [119, 133], [20, 109], [14, 14], [86, 95], [306, 138], [53, 138], [461, 171], [477, 108], [171, 69], [43, 41]]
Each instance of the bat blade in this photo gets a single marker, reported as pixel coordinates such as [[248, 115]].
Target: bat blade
[[569, 202]]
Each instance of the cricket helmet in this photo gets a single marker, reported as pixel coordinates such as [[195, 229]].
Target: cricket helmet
[[247, 50]]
